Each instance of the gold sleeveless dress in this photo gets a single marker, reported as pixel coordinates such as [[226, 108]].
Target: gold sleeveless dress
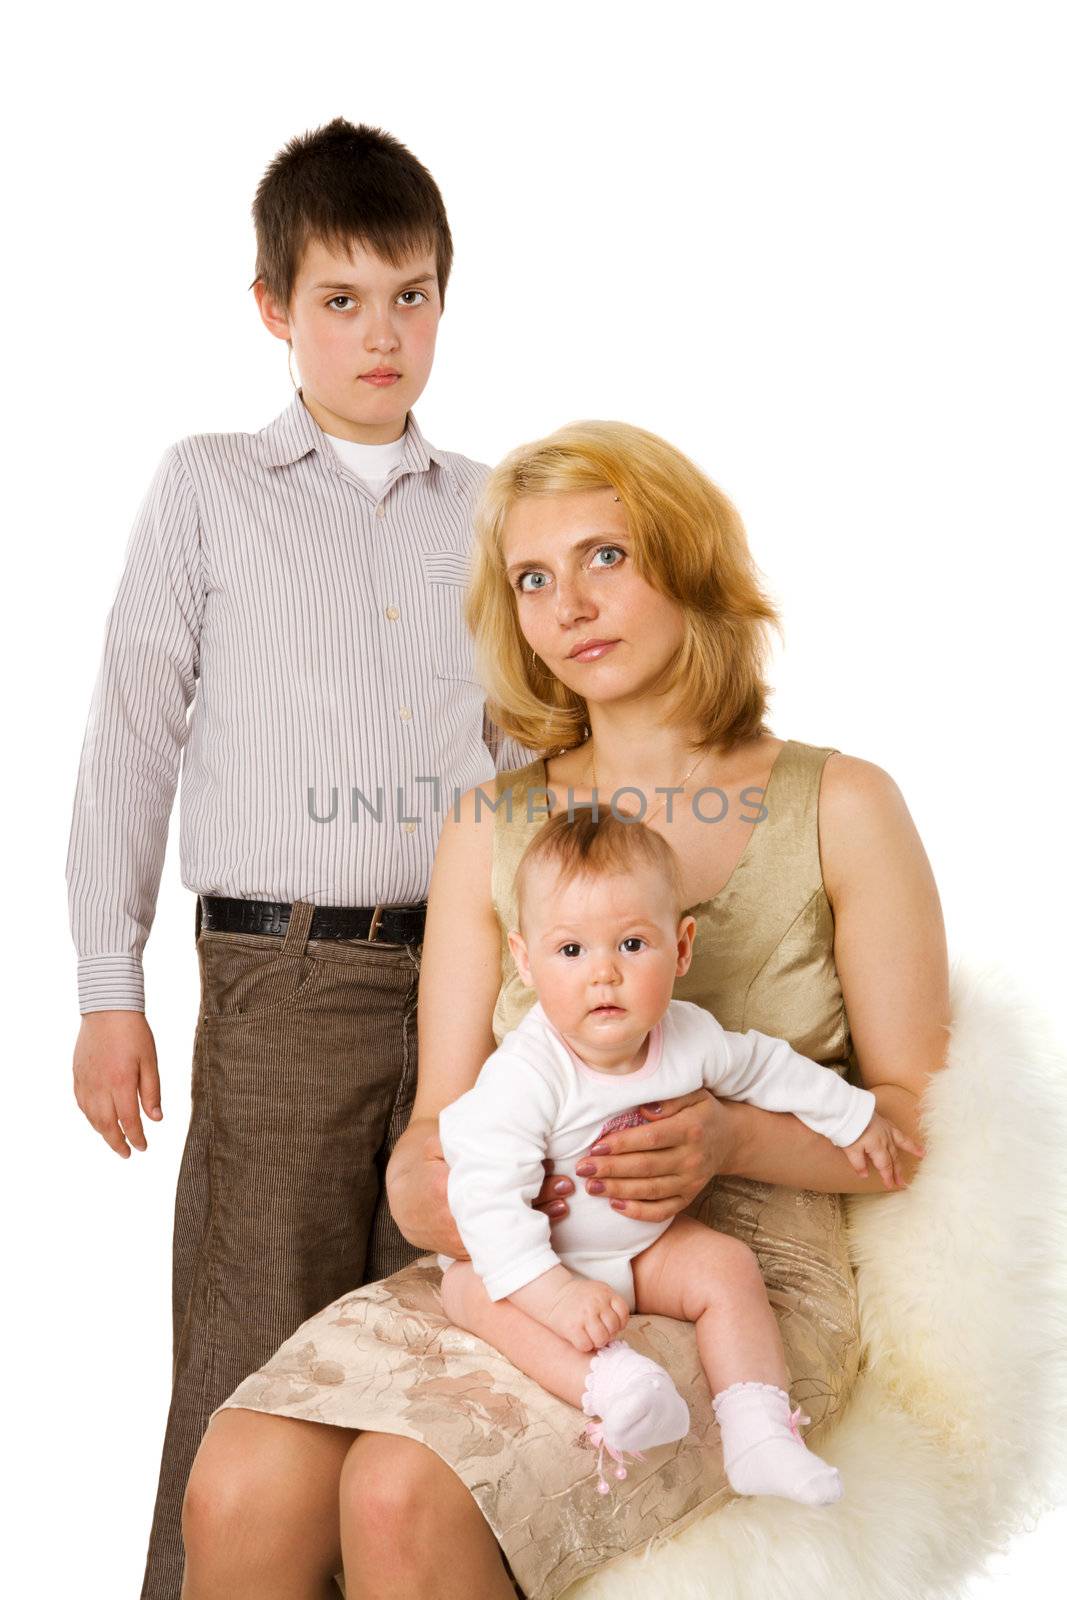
[[383, 1358]]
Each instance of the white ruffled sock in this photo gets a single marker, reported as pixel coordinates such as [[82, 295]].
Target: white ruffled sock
[[636, 1401], [763, 1452]]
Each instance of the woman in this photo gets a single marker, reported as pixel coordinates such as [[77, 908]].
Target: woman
[[620, 627]]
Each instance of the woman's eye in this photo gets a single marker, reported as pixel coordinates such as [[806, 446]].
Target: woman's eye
[[521, 582], [634, 940], [610, 549], [565, 949]]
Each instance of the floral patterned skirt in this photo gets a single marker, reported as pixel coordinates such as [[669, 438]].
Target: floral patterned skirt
[[384, 1358]]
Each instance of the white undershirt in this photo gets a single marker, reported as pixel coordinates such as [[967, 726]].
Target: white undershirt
[[371, 462]]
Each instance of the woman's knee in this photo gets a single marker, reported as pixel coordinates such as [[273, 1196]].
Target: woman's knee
[[254, 1477], [395, 1491]]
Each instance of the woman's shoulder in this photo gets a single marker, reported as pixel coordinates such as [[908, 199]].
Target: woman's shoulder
[[862, 816]]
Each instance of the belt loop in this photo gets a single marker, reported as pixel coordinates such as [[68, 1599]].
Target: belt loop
[[296, 934], [199, 919]]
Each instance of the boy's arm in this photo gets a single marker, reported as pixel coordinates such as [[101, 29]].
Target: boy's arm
[[770, 1074], [493, 1139], [133, 742]]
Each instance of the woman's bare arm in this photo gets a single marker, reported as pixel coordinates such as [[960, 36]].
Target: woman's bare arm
[[458, 985], [891, 957], [889, 947]]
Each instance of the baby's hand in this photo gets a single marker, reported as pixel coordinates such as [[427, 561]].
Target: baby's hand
[[588, 1313], [880, 1140]]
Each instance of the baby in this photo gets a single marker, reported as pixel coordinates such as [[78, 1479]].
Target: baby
[[601, 939]]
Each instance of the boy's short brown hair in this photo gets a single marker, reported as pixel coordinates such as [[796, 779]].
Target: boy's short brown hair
[[597, 847], [345, 185]]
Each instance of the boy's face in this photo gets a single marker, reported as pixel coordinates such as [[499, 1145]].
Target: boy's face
[[602, 955], [350, 314]]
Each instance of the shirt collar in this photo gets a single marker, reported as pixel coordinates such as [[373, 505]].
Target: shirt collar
[[295, 433]]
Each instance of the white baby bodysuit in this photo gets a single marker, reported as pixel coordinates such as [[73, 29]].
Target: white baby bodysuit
[[534, 1098]]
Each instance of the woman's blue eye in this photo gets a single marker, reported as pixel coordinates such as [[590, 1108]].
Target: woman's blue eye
[[633, 940], [614, 549]]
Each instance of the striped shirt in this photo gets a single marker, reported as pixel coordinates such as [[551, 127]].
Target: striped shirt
[[300, 637]]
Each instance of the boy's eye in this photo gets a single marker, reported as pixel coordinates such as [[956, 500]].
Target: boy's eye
[[419, 292], [337, 297], [565, 949], [601, 549], [421, 295]]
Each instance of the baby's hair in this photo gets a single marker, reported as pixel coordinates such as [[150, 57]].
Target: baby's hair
[[580, 845]]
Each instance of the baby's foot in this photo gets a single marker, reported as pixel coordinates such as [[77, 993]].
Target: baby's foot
[[637, 1403], [635, 1399], [763, 1452]]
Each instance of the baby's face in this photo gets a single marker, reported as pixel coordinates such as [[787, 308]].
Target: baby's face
[[602, 954]]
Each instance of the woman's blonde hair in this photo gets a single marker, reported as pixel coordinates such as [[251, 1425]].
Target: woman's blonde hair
[[689, 543], [580, 845]]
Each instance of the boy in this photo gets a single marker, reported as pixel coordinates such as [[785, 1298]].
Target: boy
[[301, 588]]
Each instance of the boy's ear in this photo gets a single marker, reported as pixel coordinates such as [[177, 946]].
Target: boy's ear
[[517, 946], [272, 311]]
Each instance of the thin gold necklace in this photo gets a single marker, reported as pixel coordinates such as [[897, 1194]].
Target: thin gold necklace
[[663, 802]]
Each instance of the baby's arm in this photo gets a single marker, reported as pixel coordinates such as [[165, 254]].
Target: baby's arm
[[494, 1139], [769, 1073]]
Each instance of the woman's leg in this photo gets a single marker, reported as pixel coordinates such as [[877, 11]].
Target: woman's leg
[[411, 1529], [547, 1357], [260, 1519]]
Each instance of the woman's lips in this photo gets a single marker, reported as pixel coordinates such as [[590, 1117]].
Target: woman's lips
[[595, 651]]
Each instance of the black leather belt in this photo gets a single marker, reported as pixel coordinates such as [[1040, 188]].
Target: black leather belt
[[383, 924]]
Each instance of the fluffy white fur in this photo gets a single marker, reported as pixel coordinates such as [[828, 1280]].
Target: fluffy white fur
[[953, 1437]]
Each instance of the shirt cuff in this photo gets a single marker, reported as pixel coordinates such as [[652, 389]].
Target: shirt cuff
[[860, 1114], [110, 983]]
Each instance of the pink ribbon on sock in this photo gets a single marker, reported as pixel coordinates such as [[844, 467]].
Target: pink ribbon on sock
[[795, 1417], [595, 1433]]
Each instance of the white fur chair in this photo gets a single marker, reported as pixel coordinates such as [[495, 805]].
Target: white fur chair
[[953, 1437]]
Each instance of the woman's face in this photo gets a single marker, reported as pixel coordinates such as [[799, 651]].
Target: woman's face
[[582, 606]]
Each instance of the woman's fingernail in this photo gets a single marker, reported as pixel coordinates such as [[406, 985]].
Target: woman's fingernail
[[562, 1186], [618, 1205], [655, 1109], [556, 1209], [596, 1187], [587, 1169], [600, 1150]]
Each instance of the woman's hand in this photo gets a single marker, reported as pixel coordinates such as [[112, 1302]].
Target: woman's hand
[[656, 1170]]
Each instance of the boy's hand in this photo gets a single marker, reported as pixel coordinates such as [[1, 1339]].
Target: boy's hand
[[880, 1141], [588, 1313], [114, 1062]]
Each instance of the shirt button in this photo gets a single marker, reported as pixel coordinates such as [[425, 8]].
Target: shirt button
[[405, 712], [379, 511], [409, 827], [392, 613]]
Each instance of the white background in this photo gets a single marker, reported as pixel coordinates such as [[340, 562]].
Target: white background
[[816, 246]]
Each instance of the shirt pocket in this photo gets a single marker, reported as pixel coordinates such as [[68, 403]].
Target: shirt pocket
[[445, 575]]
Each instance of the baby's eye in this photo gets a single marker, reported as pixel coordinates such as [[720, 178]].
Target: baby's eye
[[564, 949], [632, 941], [520, 582]]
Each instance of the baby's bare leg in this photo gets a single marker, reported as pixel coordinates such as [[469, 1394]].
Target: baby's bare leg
[[714, 1281], [543, 1355]]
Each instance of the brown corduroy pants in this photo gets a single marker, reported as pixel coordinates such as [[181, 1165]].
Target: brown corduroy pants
[[304, 1072]]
